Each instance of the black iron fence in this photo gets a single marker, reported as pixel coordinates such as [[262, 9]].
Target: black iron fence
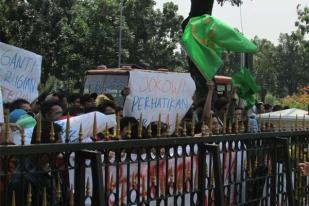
[[240, 169]]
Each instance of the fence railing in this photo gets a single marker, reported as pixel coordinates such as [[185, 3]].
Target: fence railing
[[240, 169]]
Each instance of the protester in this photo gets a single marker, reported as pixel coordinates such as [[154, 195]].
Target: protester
[[260, 108], [268, 108], [88, 103], [74, 101], [50, 111], [20, 104], [74, 108], [107, 107], [129, 124]]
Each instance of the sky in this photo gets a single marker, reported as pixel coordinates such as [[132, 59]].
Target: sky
[[262, 18]]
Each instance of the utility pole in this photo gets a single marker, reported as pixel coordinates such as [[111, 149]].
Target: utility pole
[[120, 33]]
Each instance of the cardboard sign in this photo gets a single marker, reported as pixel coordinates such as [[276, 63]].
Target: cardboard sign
[[20, 73], [153, 93]]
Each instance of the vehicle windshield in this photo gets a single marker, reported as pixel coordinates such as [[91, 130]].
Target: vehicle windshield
[[107, 83]]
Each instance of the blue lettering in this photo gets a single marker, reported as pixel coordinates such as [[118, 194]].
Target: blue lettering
[[136, 101], [153, 103], [147, 102], [7, 58], [7, 77], [140, 105]]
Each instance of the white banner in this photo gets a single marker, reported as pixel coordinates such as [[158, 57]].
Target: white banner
[[87, 125], [153, 93], [20, 73]]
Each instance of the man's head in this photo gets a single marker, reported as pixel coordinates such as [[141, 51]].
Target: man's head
[[60, 97], [107, 107], [51, 110], [124, 127], [87, 101], [239, 113], [21, 104], [74, 100], [268, 108], [260, 108]]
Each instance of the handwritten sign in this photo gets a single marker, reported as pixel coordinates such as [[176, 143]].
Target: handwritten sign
[[20, 73], [153, 93], [1, 108]]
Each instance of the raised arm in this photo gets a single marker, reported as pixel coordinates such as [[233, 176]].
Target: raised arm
[[207, 105]]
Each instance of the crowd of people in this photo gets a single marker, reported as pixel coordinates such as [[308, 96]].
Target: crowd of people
[[224, 112]]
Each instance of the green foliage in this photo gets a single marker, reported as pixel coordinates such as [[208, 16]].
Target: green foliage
[[283, 69], [270, 99]]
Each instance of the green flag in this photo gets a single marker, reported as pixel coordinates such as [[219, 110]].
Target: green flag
[[206, 37], [247, 86]]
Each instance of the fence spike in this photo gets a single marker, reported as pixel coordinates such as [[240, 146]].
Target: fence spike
[[193, 126], [296, 123], [52, 132], [256, 162], [304, 126], [44, 199], [38, 131], [177, 125], [203, 129], [29, 195], [58, 189], [67, 129], [6, 129], [80, 133], [13, 203], [159, 126], [243, 128], [118, 126], [167, 125], [149, 131], [140, 126], [106, 132], [184, 131], [94, 129], [23, 136], [230, 129]]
